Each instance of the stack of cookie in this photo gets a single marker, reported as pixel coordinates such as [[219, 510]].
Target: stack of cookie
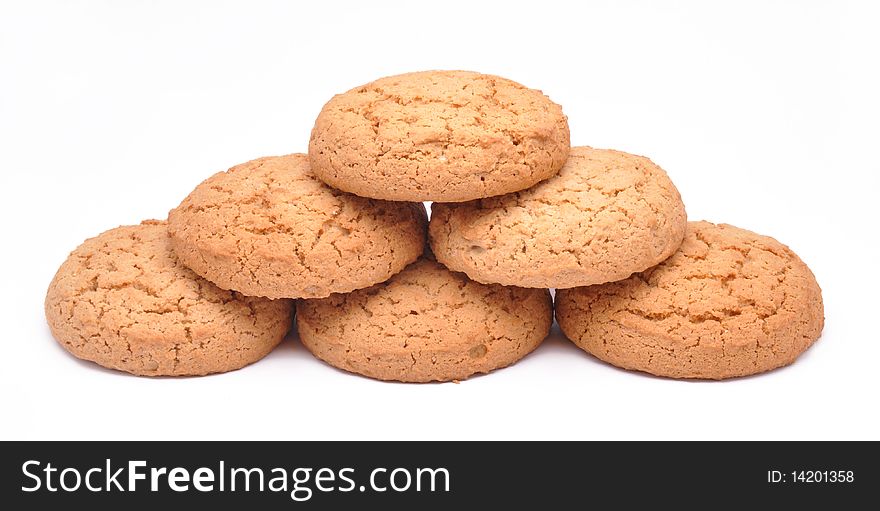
[[342, 236]]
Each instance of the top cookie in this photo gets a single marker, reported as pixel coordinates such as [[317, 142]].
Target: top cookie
[[605, 216], [269, 228], [446, 136]]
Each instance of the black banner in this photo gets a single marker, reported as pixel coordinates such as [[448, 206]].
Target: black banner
[[407, 475]]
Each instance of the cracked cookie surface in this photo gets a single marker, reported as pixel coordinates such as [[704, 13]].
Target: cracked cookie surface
[[728, 303], [425, 324], [606, 215], [438, 136], [124, 301], [270, 228]]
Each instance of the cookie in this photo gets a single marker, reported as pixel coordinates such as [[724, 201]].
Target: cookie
[[438, 136], [124, 301], [728, 303], [269, 228], [605, 216], [425, 324]]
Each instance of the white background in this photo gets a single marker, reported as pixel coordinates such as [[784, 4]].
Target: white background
[[764, 114]]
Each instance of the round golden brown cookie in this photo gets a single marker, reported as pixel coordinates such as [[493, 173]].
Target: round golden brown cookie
[[124, 301], [425, 324], [269, 228], [728, 303], [438, 136], [606, 215]]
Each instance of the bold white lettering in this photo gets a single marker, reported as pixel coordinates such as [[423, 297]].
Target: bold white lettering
[[133, 474], [176, 476], [202, 476], [154, 477]]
